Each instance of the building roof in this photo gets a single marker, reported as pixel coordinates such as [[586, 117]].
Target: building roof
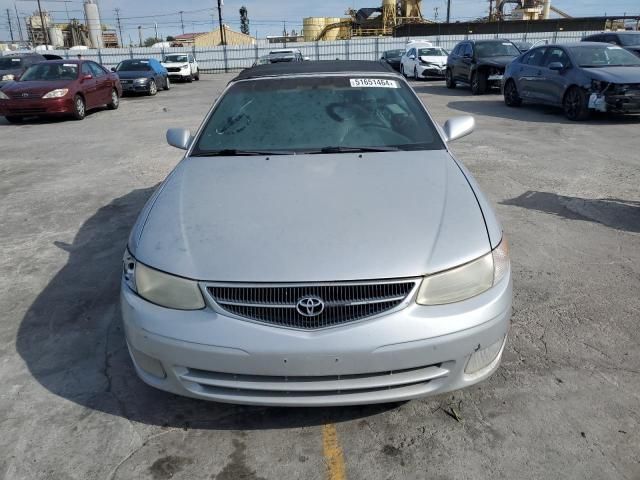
[[188, 36], [323, 66]]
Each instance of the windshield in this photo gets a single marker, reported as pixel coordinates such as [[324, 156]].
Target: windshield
[[629, 39], [604, 56], [496, 49], [393, 53], [9, 63], [175, 58], [315, 113], [133, 66], [51, 71], [432, 52]]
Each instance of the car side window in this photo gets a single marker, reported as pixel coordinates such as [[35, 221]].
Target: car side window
[[97, 70], [468, 50], [556, 55], [86, 69], [534, 57]]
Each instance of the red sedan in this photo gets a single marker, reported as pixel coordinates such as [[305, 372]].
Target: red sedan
[[57, 87]]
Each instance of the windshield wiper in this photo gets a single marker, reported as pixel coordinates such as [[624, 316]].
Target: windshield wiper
[[337, 149], [232, 152]]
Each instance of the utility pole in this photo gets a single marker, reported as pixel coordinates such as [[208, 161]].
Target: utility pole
[[119, 27], [10, 27], [182, 21], [435, 13], [490, 10], [156, 25], [448, 11], [19, 25], [223, 39], [42, 25], [140, 34]]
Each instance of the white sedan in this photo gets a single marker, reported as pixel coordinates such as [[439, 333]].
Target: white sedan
[[424, 62]]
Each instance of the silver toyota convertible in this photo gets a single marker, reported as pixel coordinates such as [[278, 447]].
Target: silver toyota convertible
[[317, 245]]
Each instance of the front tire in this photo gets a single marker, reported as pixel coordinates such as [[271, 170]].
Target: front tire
[[115, 100], [167, 84], [575, 105], [511, 96], [79, 108], [14, 119], [415, 74], [153, 88], [196, 77], [478, 83], [402, 71], [189, 79], [448, 79]]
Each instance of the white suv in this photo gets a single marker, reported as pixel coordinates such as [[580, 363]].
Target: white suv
[[422, 60], [181, 66]]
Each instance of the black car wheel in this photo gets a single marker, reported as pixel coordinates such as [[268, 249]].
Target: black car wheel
[[189, 79], [14, 118], [196, 77], [575, 104], [448, 79], [167, 84], [79, 108], [402, 70], [153, 88], [415, 73], [478, 83], [115, 100], [511, 96]]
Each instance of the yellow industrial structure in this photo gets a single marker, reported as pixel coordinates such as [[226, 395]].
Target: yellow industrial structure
[[364, 22], [527, 10], [232, 38]]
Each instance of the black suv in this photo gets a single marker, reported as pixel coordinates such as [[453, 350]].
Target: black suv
[[480, 63], [628, 40], [12, 66]]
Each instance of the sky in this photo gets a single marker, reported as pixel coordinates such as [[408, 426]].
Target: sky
[[266, 17]]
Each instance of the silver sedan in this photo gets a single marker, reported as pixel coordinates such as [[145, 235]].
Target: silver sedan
[[317, 245]]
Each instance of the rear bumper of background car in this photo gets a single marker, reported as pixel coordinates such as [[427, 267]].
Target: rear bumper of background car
[[52, 106], [410, 353]]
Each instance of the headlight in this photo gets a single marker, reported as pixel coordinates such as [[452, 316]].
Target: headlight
[[161, 288], [466, 281], [141, 80], [599, 85], [10, 76], [186, 65], [3, 96], [58, 93]]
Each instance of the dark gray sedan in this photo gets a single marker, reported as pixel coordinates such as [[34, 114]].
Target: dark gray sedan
[[580, 77]]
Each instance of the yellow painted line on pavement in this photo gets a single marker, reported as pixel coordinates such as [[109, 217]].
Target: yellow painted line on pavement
[[333, 455]]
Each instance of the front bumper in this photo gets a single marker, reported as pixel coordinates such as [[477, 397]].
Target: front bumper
[[411, 353], [50, 106], [618, 102], [131, 87], [180, 74], [431, 71]]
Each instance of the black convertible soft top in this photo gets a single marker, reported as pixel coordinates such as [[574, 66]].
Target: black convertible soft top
[[311, 67]]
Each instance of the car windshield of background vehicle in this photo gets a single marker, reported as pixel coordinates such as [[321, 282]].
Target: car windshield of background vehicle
[[51, 71], [175, 58], [630, 39], [496, 49], [604, 56], [393, 53], [330, 114], [432, 52], [9, 63], [133, 66]]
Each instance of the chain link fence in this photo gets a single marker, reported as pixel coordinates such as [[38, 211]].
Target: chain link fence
[[235, 58]]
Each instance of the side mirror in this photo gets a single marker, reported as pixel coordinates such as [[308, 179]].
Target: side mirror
[[113, 69], [458, 127], [179, 138], [88, 76], [556, 66], [412, 57], [306, 59]]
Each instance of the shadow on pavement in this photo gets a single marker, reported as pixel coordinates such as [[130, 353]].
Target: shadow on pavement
[[71, 340], [612, 212]]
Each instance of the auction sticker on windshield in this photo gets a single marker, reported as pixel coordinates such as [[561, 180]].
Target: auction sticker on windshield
[[373, 82]]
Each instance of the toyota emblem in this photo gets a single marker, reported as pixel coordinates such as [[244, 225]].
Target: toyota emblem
[[310, 306]]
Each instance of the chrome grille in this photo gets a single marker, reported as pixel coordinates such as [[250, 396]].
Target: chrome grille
[[343, 302]]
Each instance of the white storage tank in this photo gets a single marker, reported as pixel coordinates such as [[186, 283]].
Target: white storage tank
[[56, 38], [93, 23]]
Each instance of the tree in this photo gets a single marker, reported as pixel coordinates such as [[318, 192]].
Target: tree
[[171, 39], [244, 20], [150, 41]]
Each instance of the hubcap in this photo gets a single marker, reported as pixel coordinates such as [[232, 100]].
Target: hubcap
[[80, 106], [152, 88], [114, 98]]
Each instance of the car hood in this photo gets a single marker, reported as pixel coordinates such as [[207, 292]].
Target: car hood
[[130, 75], [35, 87], [496, 61], [303, 218], [9, 71], [615, 74], [438, 60]]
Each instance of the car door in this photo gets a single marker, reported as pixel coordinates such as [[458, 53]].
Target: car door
[[103, 84], [410, 62], [554, 82], [453, 59], [530, 73], [88, 85], [465, 64]]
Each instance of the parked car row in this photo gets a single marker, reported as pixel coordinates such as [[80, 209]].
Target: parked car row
[[600, 73], [31, 85]]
